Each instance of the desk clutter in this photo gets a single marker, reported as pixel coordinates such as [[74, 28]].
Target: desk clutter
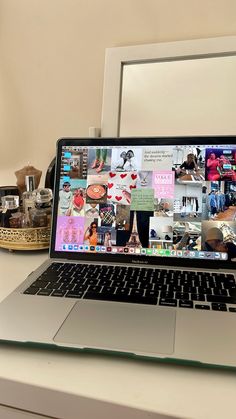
[[25, 212]]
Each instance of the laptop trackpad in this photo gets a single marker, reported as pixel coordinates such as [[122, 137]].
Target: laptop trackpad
[[119, 327]]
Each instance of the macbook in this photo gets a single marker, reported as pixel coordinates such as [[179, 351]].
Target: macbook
[[142, 255]]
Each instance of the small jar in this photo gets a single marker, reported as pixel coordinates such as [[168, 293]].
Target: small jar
[[10, 206], [41, 214]]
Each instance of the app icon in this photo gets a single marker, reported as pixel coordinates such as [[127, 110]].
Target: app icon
[[126, 250], [66, 168], [103, 249], [108, 249], [149, 251], [64, 247], [143, 251], [81, 248], [97, 248], [114, 250], [86, 247], [92, 248], [70, 247], [137, 250], [179, 253], [209, 255], [120, 249], [76, 247], [131, 250]]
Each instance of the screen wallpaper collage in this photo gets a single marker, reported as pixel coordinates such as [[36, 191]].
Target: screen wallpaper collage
[[177, 201]]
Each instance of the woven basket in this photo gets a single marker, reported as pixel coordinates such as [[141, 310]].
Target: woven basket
[[25, 238]]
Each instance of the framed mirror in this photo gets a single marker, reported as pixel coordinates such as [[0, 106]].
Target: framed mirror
[[174, 88]]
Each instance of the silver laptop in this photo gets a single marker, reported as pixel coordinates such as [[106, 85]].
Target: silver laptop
[[142, 254]]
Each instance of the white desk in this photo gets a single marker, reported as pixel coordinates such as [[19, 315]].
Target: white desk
[[69, 385]]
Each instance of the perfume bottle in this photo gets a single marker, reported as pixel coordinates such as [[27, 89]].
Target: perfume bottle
[[41, 214], [10, 206], [28, 199]]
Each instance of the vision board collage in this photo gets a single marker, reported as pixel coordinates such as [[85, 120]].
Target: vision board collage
[[164, 201]]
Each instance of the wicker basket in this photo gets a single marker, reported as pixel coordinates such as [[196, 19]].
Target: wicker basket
[[25, 238]]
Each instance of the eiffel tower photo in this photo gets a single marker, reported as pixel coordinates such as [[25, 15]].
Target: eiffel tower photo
[[134, 240]]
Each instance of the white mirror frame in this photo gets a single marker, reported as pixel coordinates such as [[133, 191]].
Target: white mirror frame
[[117, 57]]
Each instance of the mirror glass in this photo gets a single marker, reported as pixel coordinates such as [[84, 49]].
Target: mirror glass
[[179, 97]]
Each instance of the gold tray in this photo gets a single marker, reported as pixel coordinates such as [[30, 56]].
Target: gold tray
[[25, 238]]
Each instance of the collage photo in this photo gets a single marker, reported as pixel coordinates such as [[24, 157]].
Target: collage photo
[[172, 201]]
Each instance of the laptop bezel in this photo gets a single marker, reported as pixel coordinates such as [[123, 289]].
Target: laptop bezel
[[130, 258]]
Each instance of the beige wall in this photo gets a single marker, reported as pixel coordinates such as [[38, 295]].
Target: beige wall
[[52, 61]]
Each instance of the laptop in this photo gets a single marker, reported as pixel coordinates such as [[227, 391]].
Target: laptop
[[142, 254]]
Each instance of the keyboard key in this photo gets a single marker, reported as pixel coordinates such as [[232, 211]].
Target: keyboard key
[[108, 290], [189, 289], [221, 299], [170, 302], [145, 286], [122, 291], [198, 297], [65, 287], [204, 290], [151, 293], [182, 295], [31, 290], [58, 293], [40, 284], [137, 292], [166, 294], [44, 292], [219, 307], [202, 307], [74, 294], [160, 287], [94, 288], [186, 304], [91, 282], [121, 298], [53, 285], [173, 288], [218, 291], [232, 292]]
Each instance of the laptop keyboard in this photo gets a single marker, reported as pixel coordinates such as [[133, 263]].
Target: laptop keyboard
[[186, 289]]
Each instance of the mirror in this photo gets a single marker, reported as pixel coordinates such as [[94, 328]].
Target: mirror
[[168, 89]]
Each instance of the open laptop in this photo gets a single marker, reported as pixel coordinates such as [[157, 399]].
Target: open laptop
[[142, 254]]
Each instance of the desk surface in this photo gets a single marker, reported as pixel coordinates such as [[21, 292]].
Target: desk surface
[[69, 385]]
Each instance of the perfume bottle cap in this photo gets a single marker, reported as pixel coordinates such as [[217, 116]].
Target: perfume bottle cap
[[42, 195], [30, 183], [10, 202]]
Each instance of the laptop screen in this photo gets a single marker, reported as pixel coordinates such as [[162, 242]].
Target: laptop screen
[[143, 198]]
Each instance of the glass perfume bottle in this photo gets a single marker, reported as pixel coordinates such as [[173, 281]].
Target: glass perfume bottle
[[10, 206], [41, 214], [28, 201]]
